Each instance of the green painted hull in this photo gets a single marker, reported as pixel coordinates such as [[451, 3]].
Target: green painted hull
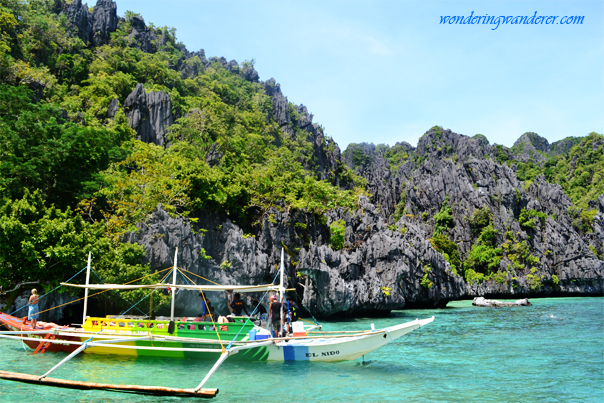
[[203, 331]]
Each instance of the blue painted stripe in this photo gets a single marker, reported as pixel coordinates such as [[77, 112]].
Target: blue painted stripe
[[295, 353]]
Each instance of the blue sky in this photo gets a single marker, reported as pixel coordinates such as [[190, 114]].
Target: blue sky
[[387, 71]]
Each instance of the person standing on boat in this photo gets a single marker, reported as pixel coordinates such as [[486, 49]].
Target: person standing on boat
[[206, 306], [33, 308], [229, 294], [274, 316], [292, 313], [238, 305]]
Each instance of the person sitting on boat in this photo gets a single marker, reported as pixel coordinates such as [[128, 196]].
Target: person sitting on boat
[[274, 316], [238, 305], [199, 318], [33, 308], [210, 317]]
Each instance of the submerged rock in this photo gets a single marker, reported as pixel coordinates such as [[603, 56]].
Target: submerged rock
[[481, 301]]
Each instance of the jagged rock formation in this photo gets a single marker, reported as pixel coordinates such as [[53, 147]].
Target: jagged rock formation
[[149, 114], [376, 262], [94, 27], [533, 147], [463, 169], [415, 182], [141, 36], [79, 16], [104, 17], [112, 108], [296, 121], [381, 272], [194, 64]]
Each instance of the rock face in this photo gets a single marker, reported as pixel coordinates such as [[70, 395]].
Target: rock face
[[80, 18], [149, 114], [95, 27], [141, 36], [326, 153], [104, 17], [464, 170], [385, 264], [380, 270], [194, 64], [532, 147]]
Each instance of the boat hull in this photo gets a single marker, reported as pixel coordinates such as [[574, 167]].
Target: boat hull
[[320, 348], [340, 348]]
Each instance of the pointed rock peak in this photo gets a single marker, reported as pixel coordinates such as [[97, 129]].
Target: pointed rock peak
[[562, 147], [482, 138], [138, 23], [105, 20], [533, 139], [272, 87]]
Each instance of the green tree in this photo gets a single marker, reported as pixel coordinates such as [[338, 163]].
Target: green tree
[[338, 230], [444, 218]]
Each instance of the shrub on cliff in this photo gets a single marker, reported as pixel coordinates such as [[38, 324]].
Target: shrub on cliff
[[484, 257], [527, 219], [449, 250], [444, 218], [338, 230], [479, 219]]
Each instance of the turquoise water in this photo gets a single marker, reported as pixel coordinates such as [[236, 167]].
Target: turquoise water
[[552, 351]]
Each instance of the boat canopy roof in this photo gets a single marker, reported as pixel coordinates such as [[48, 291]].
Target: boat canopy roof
[[237, 288]]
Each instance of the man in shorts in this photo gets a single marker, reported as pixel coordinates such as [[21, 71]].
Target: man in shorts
[[274, 316]]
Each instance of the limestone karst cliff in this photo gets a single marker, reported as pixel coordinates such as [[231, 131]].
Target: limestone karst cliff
[[118, 140]]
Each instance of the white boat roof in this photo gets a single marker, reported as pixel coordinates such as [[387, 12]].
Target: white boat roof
[[237, 288]]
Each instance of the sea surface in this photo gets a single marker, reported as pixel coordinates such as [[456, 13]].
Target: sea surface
[[552, 351]]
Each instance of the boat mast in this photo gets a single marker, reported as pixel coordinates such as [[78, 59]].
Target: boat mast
[[174, 284], [86, 289], [281, 288]]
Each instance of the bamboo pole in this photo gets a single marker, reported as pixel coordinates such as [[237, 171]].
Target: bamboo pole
[[218, 363], [281, 292], [27, 331], [86, 290], [174, 285], [106, 343], [149, 390], [84, 346], [224, 356]]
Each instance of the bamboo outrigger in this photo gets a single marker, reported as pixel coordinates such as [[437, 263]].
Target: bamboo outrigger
[[144, 390], [137, 336]]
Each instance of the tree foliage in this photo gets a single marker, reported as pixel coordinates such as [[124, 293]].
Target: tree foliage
[[338, 230], [72, 179], [444, 218]]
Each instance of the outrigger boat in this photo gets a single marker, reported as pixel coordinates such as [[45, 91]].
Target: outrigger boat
[[241, 339]]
